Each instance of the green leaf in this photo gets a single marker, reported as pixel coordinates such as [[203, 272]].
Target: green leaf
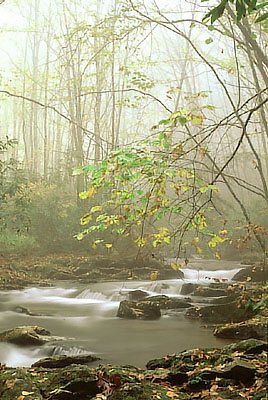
[[79, 236], [209, 40], [262, 5], [203, 189], [86, 169], [263, 17]]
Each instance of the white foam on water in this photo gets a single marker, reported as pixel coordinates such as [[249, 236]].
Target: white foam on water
[[88, 294]]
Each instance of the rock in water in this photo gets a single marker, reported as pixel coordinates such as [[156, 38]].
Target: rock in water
[[243, 330], [27, 336], [168, 303], [220, 313], [137, 294], [64, 361], [138, 310], [188, 288], [255, 273], [248, 346]]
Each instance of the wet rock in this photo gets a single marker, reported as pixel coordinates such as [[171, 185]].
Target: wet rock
[[169, 273], [24, 310], [138, 310], [137, 295], [256, 273], [164, 362], [224, 299], [167, 303], [27, 336], [249, 346], [239, 370], [61, 361], [245, 330], [208, 292], [219, 313], [188, 288]]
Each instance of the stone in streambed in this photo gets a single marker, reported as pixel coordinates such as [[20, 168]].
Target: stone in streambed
[[219, 313], [209, 292], [255, 273], [137, 294], [61, 361], [24, 310], [187, 288], [167, 303], [244, 330], [27, 336], [138, 310], [248, 346]]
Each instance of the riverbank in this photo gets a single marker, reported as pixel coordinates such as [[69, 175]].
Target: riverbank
[[236, 371]]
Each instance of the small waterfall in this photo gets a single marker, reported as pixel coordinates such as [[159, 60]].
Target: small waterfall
[[71, 351], [200, 274], [88, 294]]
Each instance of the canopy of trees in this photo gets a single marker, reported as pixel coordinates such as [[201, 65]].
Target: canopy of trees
[[155, 114]]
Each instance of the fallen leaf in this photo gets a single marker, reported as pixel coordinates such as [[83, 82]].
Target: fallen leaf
[[25, 393]]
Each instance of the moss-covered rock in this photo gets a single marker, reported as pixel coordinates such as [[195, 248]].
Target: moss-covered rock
[[255, 329], [220, 313], [27, 336], [61, 361]]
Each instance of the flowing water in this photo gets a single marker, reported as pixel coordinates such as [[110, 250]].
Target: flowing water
[[84, 315]]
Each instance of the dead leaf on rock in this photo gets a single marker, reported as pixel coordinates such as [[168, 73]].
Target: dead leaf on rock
[[172, 394]]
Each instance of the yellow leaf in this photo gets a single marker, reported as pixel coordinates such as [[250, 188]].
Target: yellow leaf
[[25, 393], [89, 193], [94, 246], [249, 279], [174, 266], [200, 251], [153, 275], [218, 256], [95, 209], [108, 245]]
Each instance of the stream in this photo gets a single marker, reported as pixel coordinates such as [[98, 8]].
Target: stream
[[84, 315]]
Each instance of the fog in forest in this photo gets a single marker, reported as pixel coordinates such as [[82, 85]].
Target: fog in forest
[[133, 199]]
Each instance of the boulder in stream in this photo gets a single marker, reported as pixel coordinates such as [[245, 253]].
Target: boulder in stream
[[209, 292], [188, 288], [27, 336], [254, 273], [244, 330], [138, 310], [137, 294], [248, 346], [61, 361], [167, 303], [219, 313]]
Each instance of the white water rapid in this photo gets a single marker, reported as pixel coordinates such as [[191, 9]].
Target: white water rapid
[[86, 316]]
